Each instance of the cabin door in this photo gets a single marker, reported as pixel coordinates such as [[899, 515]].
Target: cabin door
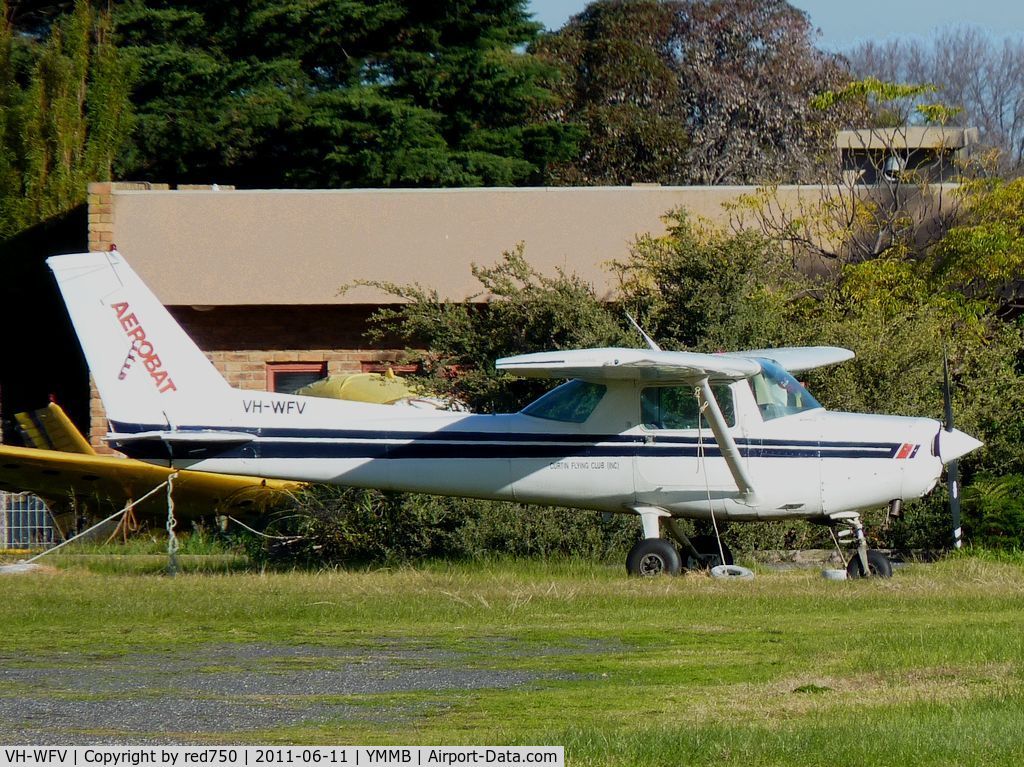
[[679, 453]]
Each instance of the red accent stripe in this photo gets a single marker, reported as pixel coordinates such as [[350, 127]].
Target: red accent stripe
[[904, 451]]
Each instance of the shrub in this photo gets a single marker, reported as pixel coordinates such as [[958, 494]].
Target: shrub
[[329, 525], [994, 513]]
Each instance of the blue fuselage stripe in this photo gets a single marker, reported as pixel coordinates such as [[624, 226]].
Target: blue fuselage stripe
[[482, 437], [362, 444]]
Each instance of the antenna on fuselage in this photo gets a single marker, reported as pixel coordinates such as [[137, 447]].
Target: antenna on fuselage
[[651, 343]]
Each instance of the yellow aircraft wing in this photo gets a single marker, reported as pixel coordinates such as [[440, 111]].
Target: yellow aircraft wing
[[62, 466], [49, 428], [59, 477]]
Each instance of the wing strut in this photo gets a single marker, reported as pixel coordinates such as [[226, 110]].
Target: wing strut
[[731, 453]]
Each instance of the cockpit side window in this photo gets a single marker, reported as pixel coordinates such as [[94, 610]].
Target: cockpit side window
[[676, 407], [572, 402], [778, 394]]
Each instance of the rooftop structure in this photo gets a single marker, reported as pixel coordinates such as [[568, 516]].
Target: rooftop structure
[[908, 154]]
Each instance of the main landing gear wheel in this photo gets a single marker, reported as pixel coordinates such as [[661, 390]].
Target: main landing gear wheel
[[707, 547], [879, 566], [653, 556]]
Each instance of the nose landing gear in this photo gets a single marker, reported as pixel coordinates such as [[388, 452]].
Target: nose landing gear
[[879, 566], [865, 562]]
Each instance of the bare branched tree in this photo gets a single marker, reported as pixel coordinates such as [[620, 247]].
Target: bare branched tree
[[969, 68], [889, 190]]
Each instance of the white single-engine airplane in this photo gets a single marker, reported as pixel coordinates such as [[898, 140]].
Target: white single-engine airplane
[[661, 434]]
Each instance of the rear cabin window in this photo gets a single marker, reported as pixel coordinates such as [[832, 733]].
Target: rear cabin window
[[572, 402], [676, 407]]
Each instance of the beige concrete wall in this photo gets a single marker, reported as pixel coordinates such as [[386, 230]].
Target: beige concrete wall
[[293, 247], [199, 247]]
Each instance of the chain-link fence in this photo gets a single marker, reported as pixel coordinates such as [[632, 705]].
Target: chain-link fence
[[25, 522]]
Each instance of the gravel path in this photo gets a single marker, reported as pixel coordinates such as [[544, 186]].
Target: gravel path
[[225, 691]]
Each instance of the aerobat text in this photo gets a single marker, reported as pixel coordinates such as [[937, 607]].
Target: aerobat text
[[142, 349]]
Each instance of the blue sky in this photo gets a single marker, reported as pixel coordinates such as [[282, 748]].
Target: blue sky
[[843, 23]]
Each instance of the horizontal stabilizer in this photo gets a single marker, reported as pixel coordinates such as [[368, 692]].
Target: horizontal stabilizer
[[179, 436]]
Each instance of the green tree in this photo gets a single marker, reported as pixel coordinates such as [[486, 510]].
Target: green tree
[[901, 322], [11, 200], [704, 289], [994, 513], [340, 93], [983, 255], [349, 526], [522, 311], [700, 288], [692, 91], [64, 115]]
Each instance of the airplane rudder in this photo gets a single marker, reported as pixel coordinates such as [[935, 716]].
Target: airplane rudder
[[142, 360]]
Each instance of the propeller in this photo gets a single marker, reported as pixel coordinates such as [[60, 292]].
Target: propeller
[[952, 468]]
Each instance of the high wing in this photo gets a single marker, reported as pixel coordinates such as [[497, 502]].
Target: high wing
[[797, 359], [652, 365], [666, 366], [630, 364]]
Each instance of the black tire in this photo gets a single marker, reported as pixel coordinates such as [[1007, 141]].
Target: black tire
[[879, 566], [651, 557], [707, 546]]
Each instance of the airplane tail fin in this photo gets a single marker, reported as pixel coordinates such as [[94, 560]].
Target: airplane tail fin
[[148, 371]]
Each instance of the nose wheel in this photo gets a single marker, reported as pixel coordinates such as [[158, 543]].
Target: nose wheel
[[879, 566], [865, 563]]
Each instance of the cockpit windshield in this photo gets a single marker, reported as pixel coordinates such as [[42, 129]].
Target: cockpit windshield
[[572, 402], [778, 394]]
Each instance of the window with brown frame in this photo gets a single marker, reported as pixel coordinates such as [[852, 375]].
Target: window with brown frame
[[286, 377]]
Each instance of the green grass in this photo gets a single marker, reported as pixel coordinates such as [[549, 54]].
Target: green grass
[[922, 669]]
